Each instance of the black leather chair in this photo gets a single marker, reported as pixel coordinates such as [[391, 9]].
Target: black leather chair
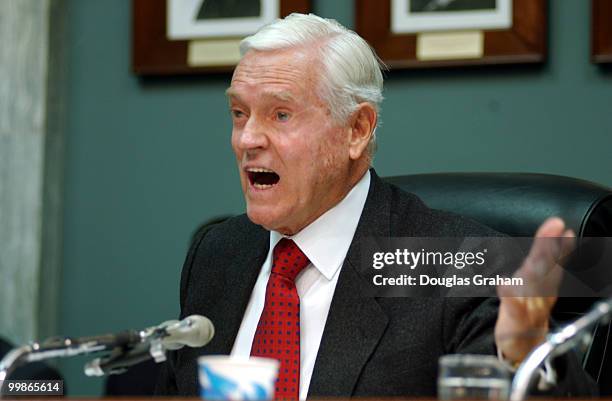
[[516, 204]]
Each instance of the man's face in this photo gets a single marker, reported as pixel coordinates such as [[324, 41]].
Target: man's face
[[292, 157]]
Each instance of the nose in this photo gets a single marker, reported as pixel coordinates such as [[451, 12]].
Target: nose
[[253, 135]]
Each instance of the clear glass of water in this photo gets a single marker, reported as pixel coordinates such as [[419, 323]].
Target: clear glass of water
[[473, 377]]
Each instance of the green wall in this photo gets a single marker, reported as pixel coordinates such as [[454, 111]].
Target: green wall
[[148, 160]]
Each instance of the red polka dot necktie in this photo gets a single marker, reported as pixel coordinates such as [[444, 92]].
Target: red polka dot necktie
[[278, 331]]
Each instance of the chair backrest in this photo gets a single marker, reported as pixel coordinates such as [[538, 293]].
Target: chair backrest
[[516, 204]]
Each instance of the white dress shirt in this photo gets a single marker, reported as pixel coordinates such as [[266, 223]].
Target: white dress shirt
[[325, 242]]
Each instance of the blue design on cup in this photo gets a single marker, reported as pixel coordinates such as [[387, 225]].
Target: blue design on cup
[[223, 388]]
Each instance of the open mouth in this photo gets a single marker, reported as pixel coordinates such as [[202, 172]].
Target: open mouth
[[262, 178]]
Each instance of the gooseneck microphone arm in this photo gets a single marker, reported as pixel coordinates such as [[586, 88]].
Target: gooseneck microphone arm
[[13, 359], [64, 347], [557, 343], [128, 347]]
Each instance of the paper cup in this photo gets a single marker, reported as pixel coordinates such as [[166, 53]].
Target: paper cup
[[230, 378]]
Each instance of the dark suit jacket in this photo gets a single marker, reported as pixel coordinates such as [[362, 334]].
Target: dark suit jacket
[[370, 346]]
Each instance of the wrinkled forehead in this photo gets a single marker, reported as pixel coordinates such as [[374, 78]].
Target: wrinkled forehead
[[283, 96], [293, 68]]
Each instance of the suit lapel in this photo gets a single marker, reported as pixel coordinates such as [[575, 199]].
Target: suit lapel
[[239, 279], [355, 322]]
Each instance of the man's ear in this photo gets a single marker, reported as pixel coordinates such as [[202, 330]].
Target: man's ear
[[362, 124]]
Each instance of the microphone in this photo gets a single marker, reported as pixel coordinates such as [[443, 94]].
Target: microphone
[[193, 331], [128, 347], [557, 343]]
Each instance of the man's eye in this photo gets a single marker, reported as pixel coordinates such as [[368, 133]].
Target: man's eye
[[282, 116], [236, 113]]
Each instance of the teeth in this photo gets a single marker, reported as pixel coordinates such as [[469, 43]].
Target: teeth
[[259, 170], [262, 186]]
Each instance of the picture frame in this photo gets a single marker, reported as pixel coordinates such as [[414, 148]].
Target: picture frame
[[208, 44], [459, 40], [218, 18], [415, 16], [601, 31]]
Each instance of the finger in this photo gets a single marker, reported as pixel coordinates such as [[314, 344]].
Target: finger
[[568, 242], [528, 309], [546, 249], [538, 308], [544, 262], [552, 227]]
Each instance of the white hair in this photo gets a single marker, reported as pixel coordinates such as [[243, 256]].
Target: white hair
[[352, 71]]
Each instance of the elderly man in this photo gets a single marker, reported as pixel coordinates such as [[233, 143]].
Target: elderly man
[[284, 281]]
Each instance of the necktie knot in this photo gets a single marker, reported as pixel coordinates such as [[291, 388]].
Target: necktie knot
[[288, 260]]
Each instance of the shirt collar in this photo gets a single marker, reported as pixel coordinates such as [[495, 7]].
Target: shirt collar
[[326, 240]]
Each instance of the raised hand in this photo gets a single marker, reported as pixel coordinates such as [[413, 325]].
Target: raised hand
[[524, 312]]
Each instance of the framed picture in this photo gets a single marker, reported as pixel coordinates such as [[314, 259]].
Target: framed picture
[[188, 19], [424, 33], [413, 16], [198, 36], [601, 31]]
